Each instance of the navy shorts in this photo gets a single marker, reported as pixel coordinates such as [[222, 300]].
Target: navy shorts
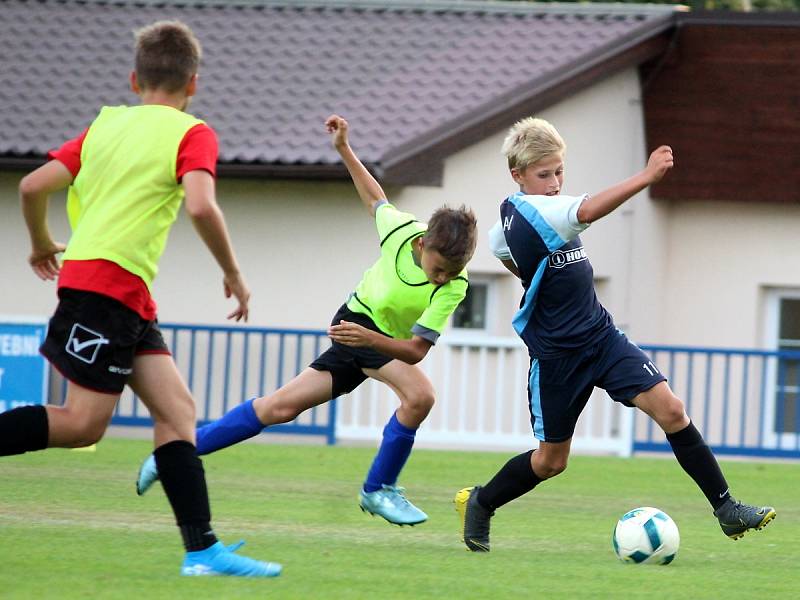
[[558, 388], [92, 340], [345, 363]]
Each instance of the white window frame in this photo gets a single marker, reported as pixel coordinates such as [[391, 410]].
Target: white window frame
[[774, 296], [491, 283]]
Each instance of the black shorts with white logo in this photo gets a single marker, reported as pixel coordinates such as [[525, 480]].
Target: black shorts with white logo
[[345, 363], [92, 340]]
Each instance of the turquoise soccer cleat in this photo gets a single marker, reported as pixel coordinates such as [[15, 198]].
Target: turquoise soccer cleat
[[148, 474], [390, 503], [221, 560]]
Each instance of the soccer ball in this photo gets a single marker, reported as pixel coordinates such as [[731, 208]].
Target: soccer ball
[[646, 535]]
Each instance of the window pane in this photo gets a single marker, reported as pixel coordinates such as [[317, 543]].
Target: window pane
[[471, 313], [790, 319], [787, 388]]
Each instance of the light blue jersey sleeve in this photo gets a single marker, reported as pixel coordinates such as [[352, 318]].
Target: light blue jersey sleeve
[[497, 242], [559, 212]]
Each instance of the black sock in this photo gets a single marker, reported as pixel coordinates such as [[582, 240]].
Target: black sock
[[23, 429], [184, 482], [698, 461], [512, 481]]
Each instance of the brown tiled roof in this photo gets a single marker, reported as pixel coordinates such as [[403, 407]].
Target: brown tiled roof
[[418, 80]]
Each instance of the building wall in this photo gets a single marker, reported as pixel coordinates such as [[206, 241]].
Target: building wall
[[670, 272], [724, 259], [726, 97]]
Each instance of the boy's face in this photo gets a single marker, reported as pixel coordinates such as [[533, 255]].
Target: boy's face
[[543, 178], [437, 268]]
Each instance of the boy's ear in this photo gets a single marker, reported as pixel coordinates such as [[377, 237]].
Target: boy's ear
[[516, 175], [191, 87], [134, 83]]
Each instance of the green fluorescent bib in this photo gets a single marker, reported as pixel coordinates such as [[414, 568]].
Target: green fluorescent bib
[[126, 195], [394, 292]]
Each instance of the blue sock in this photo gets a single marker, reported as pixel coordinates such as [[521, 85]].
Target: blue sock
[[392, 455], [238, 424]]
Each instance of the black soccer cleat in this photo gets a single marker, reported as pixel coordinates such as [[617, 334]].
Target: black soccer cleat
[[736, 518], [474, 519]]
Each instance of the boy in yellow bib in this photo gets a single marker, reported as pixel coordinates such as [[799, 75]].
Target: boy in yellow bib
[[393, 317], [127, 175]]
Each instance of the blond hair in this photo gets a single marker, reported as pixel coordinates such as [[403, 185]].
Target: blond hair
[[167, 55], [529, 141]]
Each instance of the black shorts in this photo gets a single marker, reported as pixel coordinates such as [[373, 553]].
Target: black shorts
[[92, 340], [558, 388], [345, 363]]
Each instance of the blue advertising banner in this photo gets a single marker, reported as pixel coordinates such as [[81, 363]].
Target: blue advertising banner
[[23, 371]]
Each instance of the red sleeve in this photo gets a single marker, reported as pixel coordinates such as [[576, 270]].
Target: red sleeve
[[70, 154], [198, 150]]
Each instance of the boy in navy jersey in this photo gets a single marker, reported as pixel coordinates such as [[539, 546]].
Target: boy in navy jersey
[[571, 339]]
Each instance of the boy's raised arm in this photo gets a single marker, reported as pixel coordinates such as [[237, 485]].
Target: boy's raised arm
[[598, 206], [369, 190]]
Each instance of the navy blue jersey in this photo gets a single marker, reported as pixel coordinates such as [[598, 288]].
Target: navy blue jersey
[[559, 311]]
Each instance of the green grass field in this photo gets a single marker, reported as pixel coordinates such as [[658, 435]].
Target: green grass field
[[71, 526]]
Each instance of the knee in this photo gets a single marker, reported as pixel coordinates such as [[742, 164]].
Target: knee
[[179, 411], [420, 402], [550, 466], [273, 411], [672, 416], [87, 429]]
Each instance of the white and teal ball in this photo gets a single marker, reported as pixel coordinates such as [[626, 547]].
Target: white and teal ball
[[646, 535]]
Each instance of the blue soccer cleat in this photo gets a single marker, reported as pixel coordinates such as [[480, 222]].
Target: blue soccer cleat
[[390, 503], [148, 474], [221, 560]]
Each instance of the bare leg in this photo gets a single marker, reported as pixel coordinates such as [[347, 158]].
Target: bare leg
[[82, 420]]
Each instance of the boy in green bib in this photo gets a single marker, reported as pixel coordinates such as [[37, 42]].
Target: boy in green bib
[[391, 320], [127, 176]]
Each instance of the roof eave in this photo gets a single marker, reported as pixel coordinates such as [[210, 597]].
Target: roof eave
[[290, 171], [229, 170]]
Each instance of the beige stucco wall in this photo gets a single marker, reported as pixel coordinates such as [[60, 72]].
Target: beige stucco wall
[[688, 273]]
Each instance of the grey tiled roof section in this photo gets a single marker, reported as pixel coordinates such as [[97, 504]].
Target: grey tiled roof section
[[271, 72]]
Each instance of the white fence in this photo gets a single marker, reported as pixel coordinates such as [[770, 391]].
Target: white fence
[[482, 403]]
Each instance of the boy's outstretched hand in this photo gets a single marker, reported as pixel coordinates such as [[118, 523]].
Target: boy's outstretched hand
[[337, 127], [660, 161], [235, 286]]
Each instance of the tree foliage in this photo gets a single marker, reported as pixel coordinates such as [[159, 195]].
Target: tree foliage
[[734, 5]]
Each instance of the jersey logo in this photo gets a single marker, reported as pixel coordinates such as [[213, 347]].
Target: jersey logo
[[84, 343], [561, 258], [507, 223]]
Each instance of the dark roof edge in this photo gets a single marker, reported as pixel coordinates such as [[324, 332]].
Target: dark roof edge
[[755, 19], [21, 163], [508, 107], [232, 170], [295, 171], [484, 6]]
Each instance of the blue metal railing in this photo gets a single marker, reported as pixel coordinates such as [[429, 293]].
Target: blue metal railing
[[225, 365], [744, 402]]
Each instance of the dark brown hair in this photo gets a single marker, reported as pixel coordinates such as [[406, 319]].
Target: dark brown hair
[[452, 232], [167, 55]]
